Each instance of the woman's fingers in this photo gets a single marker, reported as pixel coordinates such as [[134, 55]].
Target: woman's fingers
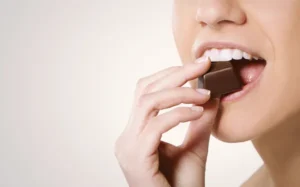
[[137, 147], [197, 137], [144, 82], [152, 133], [156, 83], [169, 98], [180, 77], [149, 104]]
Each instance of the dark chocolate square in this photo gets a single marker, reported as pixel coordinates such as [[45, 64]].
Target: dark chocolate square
[[220, 79]]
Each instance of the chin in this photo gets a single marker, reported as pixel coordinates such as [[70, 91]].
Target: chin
[[249, 116], [234, 129], [237, 123]]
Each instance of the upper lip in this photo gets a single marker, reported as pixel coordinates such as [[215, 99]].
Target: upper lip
[[199, 49]]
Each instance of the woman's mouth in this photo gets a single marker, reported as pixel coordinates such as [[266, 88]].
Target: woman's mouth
[[250, 72], [247, 67]]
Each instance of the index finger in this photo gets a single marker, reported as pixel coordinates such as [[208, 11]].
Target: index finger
[[180, 77]]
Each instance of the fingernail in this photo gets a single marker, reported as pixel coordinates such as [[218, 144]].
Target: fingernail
[[203, 91], [197, 108], [202, 60]]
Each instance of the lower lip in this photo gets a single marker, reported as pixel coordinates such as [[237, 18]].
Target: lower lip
[[241, 93]]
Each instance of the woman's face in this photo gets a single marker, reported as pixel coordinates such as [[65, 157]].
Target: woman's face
[[263, 28]]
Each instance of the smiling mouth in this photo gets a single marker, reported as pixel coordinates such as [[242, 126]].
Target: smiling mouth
[[249, 68]]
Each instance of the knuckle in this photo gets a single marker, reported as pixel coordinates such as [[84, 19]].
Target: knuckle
[[185, 72], [182, 96], [140, 86], [181, 113], [144, 101], [152, 122], [152, 136], [189, 95], [176, 68], [140, 83], [149, 88], [143, 87]]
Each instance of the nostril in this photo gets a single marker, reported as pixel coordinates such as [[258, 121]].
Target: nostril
[[210, 17], [219, 14]]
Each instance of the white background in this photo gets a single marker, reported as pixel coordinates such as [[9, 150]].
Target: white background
[[67, 73]]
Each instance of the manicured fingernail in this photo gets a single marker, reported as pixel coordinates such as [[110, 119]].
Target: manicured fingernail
[[201, 60], [203, 91], [197, 108]]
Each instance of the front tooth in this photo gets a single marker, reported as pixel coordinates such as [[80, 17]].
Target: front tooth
[[247, 56], [214, 55], [225, 55], [207, 53], [237, 54]]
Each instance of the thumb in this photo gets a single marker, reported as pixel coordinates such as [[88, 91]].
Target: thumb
[[198, 134]]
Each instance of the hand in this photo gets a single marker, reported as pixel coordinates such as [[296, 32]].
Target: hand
[[145, 160]]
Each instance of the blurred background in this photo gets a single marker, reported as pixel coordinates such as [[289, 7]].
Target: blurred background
[[68, 70]]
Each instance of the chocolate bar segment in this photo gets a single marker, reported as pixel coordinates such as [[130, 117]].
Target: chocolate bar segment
[[220, 79]]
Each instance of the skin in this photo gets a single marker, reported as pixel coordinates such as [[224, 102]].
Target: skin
[[143, 157], [269, 115]]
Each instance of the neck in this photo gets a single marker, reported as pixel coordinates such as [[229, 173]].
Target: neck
[[280, 151]]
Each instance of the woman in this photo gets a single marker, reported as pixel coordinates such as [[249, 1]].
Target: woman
[[265, 111]]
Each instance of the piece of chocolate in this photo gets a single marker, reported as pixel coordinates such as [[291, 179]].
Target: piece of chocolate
[[220, 79]]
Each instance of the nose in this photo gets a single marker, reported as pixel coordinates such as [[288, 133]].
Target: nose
[[214, 13]]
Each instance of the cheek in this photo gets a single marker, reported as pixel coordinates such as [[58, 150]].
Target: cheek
[[277, 99], [274, 101], [286, 63], [184, 29]]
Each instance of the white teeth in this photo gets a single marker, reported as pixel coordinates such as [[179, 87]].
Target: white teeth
[[237, 54], [207, 53], [214, 55], [247, 56], [227, 55]]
